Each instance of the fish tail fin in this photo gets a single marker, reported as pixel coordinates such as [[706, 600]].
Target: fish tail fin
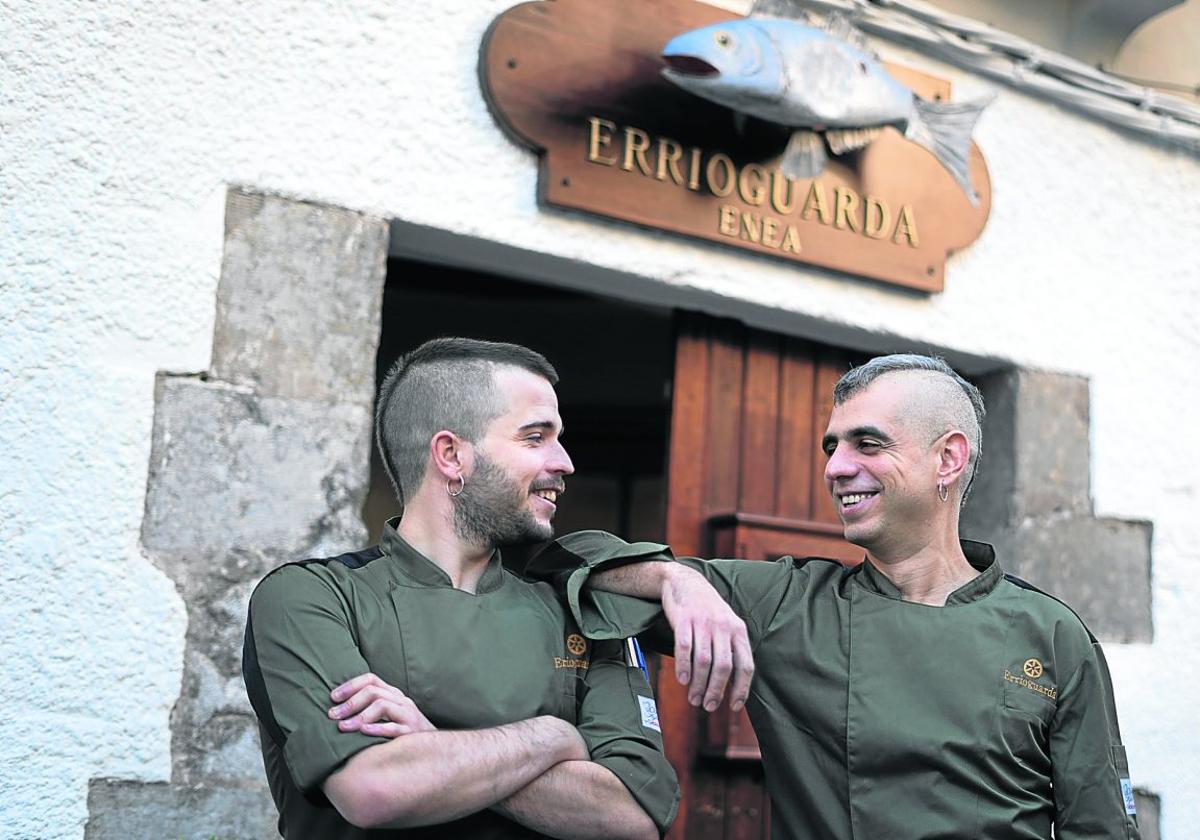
[[944, 128]]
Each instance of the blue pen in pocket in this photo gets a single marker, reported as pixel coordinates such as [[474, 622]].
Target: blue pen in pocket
[[634, 658]]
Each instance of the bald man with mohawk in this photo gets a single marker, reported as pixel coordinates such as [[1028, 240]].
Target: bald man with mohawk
[[922, 694]]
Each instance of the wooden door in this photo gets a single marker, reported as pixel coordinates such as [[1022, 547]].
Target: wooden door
[[744, 480]]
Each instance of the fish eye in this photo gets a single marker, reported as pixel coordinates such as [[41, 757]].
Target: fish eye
[[723, 39]]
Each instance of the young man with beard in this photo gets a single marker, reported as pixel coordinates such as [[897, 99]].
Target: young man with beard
[[923, 694], [417, 687]]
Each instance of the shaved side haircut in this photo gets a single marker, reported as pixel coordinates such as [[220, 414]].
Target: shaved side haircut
[[445, 384], [946, 401]]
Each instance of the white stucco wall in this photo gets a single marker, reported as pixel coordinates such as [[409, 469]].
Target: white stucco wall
[[121, 124]]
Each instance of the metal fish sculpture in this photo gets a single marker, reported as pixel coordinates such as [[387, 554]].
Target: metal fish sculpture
[[825, 83]]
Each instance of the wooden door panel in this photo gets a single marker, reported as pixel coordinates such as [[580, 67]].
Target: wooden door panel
[[755, 537], [686, 485], [745, 808], [724, 433], [796, 453], [760, 417], [744, 480]]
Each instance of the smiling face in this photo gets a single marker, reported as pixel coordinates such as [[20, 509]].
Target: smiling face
[[512, 492], [882, 468]]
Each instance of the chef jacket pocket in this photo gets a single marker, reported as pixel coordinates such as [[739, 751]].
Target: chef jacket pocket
[[1026, 715], [1038, 702], [1026, 738]]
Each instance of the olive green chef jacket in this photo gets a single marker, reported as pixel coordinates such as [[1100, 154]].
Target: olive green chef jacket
[[506, 653], [883, 719]]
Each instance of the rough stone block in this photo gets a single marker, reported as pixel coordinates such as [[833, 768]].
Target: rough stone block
[[300, 299], [239, 482], [119, 810], [227, 750], [214, 734], [1101, 567], [1148, 806], [1053, 444], [1032, 500], [1036, 448], [215, 627]]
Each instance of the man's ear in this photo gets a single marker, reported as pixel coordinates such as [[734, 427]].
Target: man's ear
[[450, 455], [954, 455]]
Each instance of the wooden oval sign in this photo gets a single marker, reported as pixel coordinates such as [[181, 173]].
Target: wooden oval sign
[[580, 81]]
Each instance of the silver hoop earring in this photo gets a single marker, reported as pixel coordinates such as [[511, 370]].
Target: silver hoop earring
[[462, 485], [943, 493]]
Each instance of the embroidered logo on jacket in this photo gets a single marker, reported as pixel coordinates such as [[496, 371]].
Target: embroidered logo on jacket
[[576, 646], [1032, 669]]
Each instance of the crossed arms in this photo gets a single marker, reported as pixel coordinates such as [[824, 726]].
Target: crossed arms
[[537, 772], [380, 761]]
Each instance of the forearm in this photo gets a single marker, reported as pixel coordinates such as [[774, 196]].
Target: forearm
[[710, 640], [641, 580], [434, 777], [578, 800]]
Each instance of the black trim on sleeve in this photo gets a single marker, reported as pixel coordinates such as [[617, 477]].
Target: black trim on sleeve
[[256, 687], [351, 559]]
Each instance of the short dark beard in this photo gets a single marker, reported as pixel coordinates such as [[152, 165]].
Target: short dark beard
[[491, 510]]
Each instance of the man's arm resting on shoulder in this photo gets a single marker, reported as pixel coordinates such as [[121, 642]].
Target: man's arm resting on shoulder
[[432, 777], [711, 640]]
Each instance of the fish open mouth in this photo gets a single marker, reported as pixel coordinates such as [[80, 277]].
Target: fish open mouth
[[689, 65]]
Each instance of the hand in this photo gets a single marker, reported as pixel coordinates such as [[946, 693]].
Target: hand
[[710, 640], [368, 705]]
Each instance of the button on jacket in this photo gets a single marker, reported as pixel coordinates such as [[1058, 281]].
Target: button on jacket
[[990, 717], [508, 652]]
